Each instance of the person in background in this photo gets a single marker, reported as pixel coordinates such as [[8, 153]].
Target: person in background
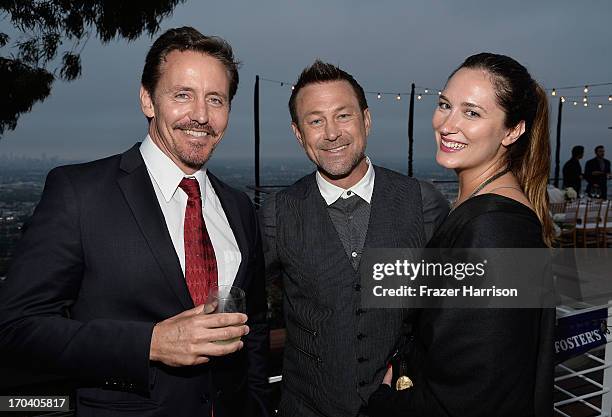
[[109, 282], [572, 171], [597, 173], [316, 231], [491, 127]]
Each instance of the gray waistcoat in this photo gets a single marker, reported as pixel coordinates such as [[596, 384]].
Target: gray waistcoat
[[336, 352]]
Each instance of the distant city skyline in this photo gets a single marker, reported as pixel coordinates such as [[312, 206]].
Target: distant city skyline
[[387, 45]]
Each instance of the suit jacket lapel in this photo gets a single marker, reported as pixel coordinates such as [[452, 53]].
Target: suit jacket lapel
[[235, 219], [135, 183]]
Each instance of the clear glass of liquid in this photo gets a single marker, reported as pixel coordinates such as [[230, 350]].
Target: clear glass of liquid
[[226, 299]]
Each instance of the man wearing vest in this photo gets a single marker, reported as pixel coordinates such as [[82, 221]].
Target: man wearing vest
[[316, 230]]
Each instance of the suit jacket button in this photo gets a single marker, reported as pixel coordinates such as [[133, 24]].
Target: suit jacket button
[[357, 287], [362, 359], [361, 336]]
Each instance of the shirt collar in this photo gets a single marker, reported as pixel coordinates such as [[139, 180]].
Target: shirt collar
[[364, 187], [164, 171]]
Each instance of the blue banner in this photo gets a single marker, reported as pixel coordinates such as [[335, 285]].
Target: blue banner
[[579, 333]]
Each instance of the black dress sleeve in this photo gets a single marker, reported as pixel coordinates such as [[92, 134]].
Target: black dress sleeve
[[479, 362], [435, 208]]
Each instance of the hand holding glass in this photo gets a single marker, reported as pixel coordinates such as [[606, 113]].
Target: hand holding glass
[[225, 299]]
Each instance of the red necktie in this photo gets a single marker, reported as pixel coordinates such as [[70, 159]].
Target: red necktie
[[200, 261]]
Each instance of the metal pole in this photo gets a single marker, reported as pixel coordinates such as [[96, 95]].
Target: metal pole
[[558, 148], [410, 130], [257, 139]]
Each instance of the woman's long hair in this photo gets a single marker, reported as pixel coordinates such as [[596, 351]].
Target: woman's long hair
[[522, 98]]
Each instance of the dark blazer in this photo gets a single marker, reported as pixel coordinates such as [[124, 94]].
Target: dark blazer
[[96, 269], [600, 180], [571, 174], [337, 350]]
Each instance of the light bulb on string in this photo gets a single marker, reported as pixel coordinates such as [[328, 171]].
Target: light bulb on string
[[554, 92], [399, 97], [586, 89], [293, 87], [575, 103], [378, 96], [585, 99], [426, 91], [599, 106], [610, 98], [562, 99], [440, 93], [419, 97], [586, 104]]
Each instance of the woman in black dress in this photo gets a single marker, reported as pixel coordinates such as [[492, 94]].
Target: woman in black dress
[[491, 127]]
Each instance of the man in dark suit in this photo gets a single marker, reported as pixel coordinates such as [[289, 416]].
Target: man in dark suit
[[316, 231], [572, 171], [597, 173], [111, 275]]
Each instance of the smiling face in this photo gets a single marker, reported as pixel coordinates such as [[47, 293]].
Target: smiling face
[[189, 108], [469, 125], [333, 131]]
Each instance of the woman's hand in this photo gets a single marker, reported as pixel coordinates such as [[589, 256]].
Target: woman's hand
[[388, 376]]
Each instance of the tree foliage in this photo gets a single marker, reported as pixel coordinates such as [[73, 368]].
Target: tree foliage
[[45, 28]]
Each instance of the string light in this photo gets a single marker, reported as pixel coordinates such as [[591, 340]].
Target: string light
[[584, 87], [426, 91]]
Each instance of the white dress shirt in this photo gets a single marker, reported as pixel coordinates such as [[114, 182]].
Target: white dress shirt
[[166, 176], [364, 187]]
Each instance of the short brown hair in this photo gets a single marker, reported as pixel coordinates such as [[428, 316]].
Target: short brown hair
[[321, 72], [188, 39]]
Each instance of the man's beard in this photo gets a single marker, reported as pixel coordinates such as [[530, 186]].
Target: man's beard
[[194, 156], [338, 171]]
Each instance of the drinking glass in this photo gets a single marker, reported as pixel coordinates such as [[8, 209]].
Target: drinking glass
[[225, 299]]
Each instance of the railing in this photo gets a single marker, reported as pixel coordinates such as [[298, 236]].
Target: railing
[[582, 368]]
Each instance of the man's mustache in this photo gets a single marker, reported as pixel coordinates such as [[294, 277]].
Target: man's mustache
[[197, 127]]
